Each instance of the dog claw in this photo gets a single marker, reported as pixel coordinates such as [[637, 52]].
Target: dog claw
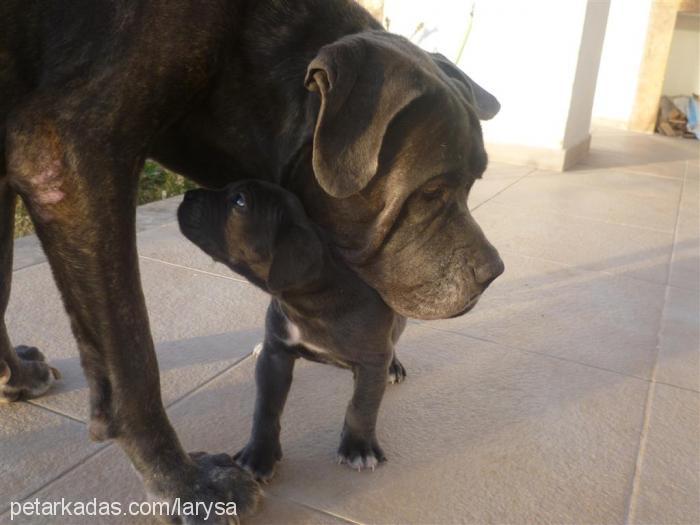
[[397, 372], [32, 379], [259, 461]]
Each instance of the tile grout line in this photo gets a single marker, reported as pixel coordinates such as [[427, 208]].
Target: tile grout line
[[278, 497], [56, 412], [536, 352], [510, 347], [200, 386], [82, 461], [624, 169], [577, 216], [583, 269], [518, 179], [646, 421], [197, 270], [109, 444]]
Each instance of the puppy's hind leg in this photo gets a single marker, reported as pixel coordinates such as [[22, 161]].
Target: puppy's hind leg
[[273, 377]]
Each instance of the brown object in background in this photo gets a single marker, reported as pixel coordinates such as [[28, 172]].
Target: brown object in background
[[671, 121], [666, 129]]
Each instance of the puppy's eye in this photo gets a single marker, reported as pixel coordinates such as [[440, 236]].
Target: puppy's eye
[[239, 200]]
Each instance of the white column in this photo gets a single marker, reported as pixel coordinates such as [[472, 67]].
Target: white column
[[540, 58]]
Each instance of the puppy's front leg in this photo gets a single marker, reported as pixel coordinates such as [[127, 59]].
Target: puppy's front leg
[[273, 378], [358, 444]]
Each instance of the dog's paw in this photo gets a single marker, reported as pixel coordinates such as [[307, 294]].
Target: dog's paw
[[218, 490], [260, 460], [359, 454], [397, 372], [32, 379]]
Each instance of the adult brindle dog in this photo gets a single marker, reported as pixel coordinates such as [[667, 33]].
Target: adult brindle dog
[[380, 140]]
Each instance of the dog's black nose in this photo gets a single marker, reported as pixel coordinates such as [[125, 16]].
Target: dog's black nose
[[189, 196], [487, 273]]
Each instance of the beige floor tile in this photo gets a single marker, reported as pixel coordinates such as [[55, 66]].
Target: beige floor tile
[[640, 153], [201, 325], [679, 344], [168, 244], [618, 197], [36, 446], [606, 160], [27, 252], [450, 433], [668, 490], [589, 317], [588, 244], [476, 434]]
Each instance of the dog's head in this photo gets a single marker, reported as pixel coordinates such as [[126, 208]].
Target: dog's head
[[397, 146], [257, 229]]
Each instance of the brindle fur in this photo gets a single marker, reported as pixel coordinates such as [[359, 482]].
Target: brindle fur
[[90, 88]]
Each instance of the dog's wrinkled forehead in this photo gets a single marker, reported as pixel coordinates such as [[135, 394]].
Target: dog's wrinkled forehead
[[368, 80]]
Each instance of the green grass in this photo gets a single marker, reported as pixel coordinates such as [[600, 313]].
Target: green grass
[[156, 184]]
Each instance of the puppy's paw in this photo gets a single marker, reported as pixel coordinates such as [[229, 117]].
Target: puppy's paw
[[223, 488], [32, 379], [359, 454], [397, 372], [259, 459]]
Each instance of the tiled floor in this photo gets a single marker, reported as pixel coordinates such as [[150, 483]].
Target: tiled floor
[[570, 395]]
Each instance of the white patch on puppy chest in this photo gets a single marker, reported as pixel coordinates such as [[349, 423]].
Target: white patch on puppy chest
[[293, 334], [294, 337]]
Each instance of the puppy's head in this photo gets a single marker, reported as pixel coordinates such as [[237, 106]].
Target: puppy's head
[[257, 229]]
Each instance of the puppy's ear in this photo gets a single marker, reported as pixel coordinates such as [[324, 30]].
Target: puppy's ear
[[485, 104], [364, 81], [297, 259]]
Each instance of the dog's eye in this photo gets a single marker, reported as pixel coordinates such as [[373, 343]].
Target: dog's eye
[[434, 190], [239, 200]]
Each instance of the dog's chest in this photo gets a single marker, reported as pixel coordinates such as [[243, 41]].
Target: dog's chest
[[312, 349]]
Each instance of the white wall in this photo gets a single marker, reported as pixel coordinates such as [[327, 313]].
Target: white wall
[[528, 53], [623, 48], [683, 70]]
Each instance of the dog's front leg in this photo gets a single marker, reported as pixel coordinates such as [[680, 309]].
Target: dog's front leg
[[358, 444], [81, 191], [23, 372], [273, 377]]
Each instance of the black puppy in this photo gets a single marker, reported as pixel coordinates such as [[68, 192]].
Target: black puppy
[[320, 310]]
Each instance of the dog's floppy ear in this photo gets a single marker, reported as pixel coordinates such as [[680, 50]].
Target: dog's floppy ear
[[297, 259], [485, 104], [363, 85]]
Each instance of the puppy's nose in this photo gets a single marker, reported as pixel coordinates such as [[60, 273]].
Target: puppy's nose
[[488, 272], [189, 196]]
